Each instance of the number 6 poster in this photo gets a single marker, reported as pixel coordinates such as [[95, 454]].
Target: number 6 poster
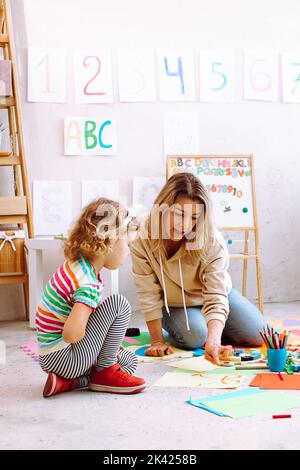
[[93, 76]]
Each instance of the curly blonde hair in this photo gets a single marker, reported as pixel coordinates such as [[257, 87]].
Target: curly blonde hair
[[101, 222]]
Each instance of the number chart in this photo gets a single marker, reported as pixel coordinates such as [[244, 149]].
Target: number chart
[[229, 183]]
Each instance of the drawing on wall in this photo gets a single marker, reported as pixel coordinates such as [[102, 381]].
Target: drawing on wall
[[95, 189], [145, 190], [181, 133], [52, 207]]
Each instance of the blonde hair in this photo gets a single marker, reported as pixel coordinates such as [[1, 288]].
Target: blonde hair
[[101, 222], [189, 186]]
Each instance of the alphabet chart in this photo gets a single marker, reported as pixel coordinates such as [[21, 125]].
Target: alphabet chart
[[228, 181]]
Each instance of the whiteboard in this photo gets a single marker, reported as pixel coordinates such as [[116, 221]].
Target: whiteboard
[[229, 181]]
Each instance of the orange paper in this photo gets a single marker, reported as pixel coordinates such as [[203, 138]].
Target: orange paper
[[274, 382]]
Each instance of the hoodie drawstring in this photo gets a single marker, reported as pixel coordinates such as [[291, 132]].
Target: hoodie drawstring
[[183, 296], [164, 285], [182, 290]]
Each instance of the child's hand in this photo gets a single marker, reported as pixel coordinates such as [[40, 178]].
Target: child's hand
[[159, 349], [214, 350]]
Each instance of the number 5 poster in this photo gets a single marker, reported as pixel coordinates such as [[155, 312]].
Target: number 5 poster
[[217, 76], [93, 76]]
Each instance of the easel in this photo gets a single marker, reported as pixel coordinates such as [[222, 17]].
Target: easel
[[245, 256], [14, 210]]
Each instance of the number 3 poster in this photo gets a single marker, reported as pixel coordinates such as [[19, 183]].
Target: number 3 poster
[[93, 76]]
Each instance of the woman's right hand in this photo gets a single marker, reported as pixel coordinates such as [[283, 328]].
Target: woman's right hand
[[159, 349]]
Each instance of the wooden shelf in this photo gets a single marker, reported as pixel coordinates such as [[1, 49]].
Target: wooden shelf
[[13, 205], [4, 39], [10, 160], [7, 102]]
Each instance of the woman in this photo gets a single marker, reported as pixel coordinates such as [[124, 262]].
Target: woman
[[180, 264]]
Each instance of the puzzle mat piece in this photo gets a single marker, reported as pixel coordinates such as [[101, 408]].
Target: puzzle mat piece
[[31, 349], [291, 324], [142, 339]]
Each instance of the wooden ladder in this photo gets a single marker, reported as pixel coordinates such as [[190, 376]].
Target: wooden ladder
[[15, 211]]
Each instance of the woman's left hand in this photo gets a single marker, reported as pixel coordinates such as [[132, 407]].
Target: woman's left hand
[[214, 350]]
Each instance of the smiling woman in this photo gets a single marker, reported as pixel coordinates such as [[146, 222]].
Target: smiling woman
[[180, 265]]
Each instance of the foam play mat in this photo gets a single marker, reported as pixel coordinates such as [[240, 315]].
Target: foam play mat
[[291, 325]]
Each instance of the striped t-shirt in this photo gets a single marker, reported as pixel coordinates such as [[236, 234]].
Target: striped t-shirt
[[72, 282]]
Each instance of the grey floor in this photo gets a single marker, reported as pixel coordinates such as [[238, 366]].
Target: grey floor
[[158, 418]]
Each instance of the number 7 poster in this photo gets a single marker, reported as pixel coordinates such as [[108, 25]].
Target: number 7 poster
[[93, 76]]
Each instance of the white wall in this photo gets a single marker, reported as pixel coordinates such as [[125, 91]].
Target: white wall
[[268, 130]]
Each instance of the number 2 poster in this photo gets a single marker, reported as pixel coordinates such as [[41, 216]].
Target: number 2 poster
[[93, 76]]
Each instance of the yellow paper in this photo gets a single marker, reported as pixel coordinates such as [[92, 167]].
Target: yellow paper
[[198, 364], [199, 380]]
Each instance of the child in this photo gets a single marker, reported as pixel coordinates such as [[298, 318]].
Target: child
[[79, 338]]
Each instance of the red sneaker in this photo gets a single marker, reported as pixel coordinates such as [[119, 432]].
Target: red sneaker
[[113, 379], [56, 384]]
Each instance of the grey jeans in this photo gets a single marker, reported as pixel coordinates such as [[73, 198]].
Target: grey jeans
[[242, 326]]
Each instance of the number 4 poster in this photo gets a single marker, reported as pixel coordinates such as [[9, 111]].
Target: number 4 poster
[[93, 76]]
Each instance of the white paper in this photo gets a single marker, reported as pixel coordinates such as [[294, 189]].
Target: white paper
[[181, 133], [176, 71], [92, 74], [217, 76], [136, 73], [290, 66], [46, 75], [90, 136], [52, 207], [145, 190], [261, 75], [95, 189]]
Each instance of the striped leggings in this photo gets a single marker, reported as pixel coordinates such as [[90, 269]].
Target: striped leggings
[[100, 346]]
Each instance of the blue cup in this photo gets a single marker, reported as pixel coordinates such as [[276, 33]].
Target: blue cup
[[277, 359]]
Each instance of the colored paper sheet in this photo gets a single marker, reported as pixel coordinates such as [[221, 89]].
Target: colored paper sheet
[[188, 379], [247, 402], [143, 338], [198, 364], [274, 382], [290, 324], [226, 370]]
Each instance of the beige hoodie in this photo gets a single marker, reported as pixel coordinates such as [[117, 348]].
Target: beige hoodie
[[175, 282]]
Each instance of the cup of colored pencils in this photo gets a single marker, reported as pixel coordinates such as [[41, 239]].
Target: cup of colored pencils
[[276, 344]]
